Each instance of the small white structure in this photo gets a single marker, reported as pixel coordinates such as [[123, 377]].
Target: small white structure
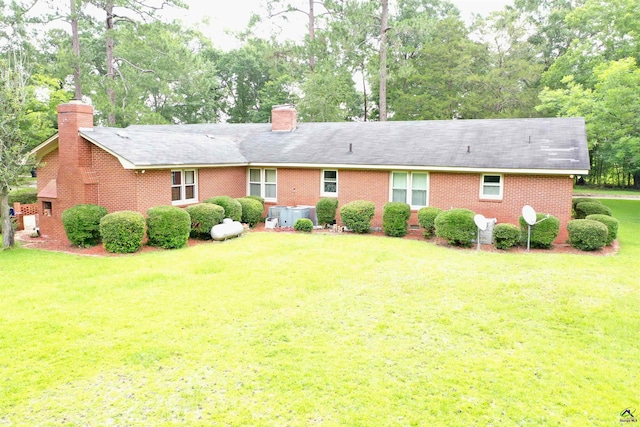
[[229, 228]]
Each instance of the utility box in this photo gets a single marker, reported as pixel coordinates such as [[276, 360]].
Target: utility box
[[271, 223], [486, 236], [288, 215]]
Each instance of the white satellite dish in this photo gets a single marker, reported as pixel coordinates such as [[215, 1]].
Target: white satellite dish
[[480, 221], [529, 215]]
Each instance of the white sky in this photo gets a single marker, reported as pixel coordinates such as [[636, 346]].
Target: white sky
[[221, 17]]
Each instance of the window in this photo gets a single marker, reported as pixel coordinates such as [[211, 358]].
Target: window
[[183, 186], [329, 183], [411, 188], [263, 183], [491, 187]]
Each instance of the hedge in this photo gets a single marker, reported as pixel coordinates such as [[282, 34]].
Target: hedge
[[610, 222], [543, 233], [506, 236], [426, 220], [122, 232], [584, 209], [168, 227], [303, 224], [258, 198], [357, 215], [203, 217], [326, 209], [82, 224], [575, 201], [232, 208], [251, 210], [587, 234], [394, 219], [457, 227], [24, 196]]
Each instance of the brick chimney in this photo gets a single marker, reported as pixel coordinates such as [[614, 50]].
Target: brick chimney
[[284, 118]]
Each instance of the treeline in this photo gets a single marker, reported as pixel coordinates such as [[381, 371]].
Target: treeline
[[534, 58]]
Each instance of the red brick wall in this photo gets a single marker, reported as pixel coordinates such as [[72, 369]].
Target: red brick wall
[[284, 119], [230, 181]]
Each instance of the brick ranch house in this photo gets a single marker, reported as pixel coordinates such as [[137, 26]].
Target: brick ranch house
[[493, 167]]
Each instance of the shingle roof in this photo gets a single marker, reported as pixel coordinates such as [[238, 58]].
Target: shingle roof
[[551, 144]]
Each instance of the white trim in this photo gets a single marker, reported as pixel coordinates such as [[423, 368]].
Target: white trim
[[500, 186], [322, 182], [183, 184], [409, 188], [263, 183]]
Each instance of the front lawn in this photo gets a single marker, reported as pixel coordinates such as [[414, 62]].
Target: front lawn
[[277, 329]]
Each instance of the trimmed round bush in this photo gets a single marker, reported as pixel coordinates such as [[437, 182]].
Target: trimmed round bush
[[542, 234], [82, 224], [326, 209], [357, 215], [584, 209], [575, 201], [24, 196], [122, 232], [587, 234], [303, 224], [258, 198], [506, 236], [203, 217], [457, 227], [394, 219], [168, 227], [232, 208], [251, 210], [610, 222], [426, 220]]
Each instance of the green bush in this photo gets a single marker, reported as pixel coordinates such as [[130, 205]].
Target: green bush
[[82, 224], [326, 209], [457, 227], [506, 236], [575, 201], [232, 208], [122, 232], [303, 224], [610, 222], [587, 234], [394, 219], [542, 234], [426, 220], [203, 217], [24, 196], [357, 215], [258, 198], [584, 209], [168, 227], [251, 210]]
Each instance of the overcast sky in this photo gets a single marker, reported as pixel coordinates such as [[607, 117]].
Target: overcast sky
[[234, 15]]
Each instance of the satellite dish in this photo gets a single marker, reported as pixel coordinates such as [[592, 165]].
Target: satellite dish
[[480, 221], [529, 215]]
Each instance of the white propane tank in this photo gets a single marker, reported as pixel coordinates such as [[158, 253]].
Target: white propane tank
[[229, 228]]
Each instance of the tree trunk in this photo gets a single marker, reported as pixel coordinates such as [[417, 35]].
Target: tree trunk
[[384, 23], [111, 74], [7, 228], [76, 51], [312, 35]]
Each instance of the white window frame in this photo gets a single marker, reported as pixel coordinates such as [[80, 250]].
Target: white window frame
[[409, 189], [499, 185], [263, 183], [183, 187], [323, 181]]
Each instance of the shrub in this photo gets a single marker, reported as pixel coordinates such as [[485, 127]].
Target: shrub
[[168, 227], [122, 232], [303, 224], [326, 209], [506, 236], [357, 215], [24, 196], [584, 209], [232, 208], [542, 234], [456, 226], [426, 220], [251, 210], [575, 201], [203, 217], [82, 224], [258, 198], [394, 219], [587, 234], [610, 222]]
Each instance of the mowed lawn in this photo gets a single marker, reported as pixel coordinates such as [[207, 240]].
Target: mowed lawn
[[277, 329]]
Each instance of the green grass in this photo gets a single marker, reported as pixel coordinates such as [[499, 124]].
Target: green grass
[[277, 329], [578, 190]]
